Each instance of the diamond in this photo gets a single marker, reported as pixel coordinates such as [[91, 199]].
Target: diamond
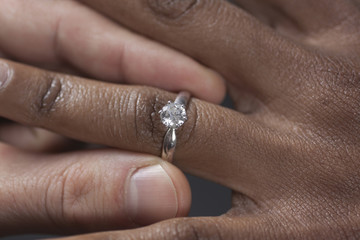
[[173, 115]]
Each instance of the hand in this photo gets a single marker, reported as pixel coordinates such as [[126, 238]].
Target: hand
[[291, 152], [69, 37], [76, 191], [88, 190]]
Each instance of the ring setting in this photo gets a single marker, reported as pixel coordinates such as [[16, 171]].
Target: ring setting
[[173, 115]]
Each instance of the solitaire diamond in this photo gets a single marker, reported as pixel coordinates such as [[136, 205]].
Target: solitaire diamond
[[173, 115]]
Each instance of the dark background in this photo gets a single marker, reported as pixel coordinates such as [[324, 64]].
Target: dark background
[[209, 199]]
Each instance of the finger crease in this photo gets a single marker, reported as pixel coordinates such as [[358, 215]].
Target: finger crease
[[51, 96]]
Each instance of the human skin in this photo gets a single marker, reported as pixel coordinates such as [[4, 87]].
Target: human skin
[[290, 152], [43, 186]]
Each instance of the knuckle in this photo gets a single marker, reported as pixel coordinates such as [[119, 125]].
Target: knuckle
[[83, 193], [180, 13], [149, 132], [6, 74], [191, 229], [76, 186], [335, 95], [50, 93], [340, 80], [171, 9], [140, 108], [148, 128]]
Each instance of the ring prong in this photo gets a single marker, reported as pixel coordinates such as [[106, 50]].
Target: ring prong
[[173, 116]]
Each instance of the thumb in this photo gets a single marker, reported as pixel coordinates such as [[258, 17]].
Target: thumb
[[92, 191]]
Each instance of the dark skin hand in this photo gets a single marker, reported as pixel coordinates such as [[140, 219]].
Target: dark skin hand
[[291, 150]]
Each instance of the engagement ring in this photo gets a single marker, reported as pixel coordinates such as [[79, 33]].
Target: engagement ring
[[173, 116]]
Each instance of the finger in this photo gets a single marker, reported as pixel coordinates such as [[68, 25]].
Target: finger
[[127, 117], [43, 33], [87, 191], [314, 17], [32, 139], [315, 23], [217, 33], [253, 227], [271, 15]]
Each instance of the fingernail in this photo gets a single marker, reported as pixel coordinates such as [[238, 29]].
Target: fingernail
[[4, 74], [151, 196]]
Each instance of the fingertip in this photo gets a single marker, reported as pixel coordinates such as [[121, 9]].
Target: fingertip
[[214, 88], [168, 69], [202, 82], [182, 188], [157, 192]]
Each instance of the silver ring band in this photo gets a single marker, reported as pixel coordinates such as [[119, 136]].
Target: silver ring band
[[173, 115]]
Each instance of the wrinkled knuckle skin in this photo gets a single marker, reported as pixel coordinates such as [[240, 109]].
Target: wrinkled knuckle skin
[[175, 12], [335, 106], [171, 9], [190, 229], [144, 126], [78, 183], [50, 93], [341, 82], [6, 76], [149, 130]]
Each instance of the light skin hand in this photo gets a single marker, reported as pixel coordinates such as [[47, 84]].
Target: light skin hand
[[291, 151], [82, 191], [64, 35], [68, 37], [86, 190]]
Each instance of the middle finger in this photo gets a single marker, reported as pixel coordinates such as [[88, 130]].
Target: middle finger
[[217, 33]]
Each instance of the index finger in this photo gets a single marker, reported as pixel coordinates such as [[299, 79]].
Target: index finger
[[215, 32], [98, 47]]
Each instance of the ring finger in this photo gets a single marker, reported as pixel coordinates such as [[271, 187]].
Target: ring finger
[[126, 117]]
